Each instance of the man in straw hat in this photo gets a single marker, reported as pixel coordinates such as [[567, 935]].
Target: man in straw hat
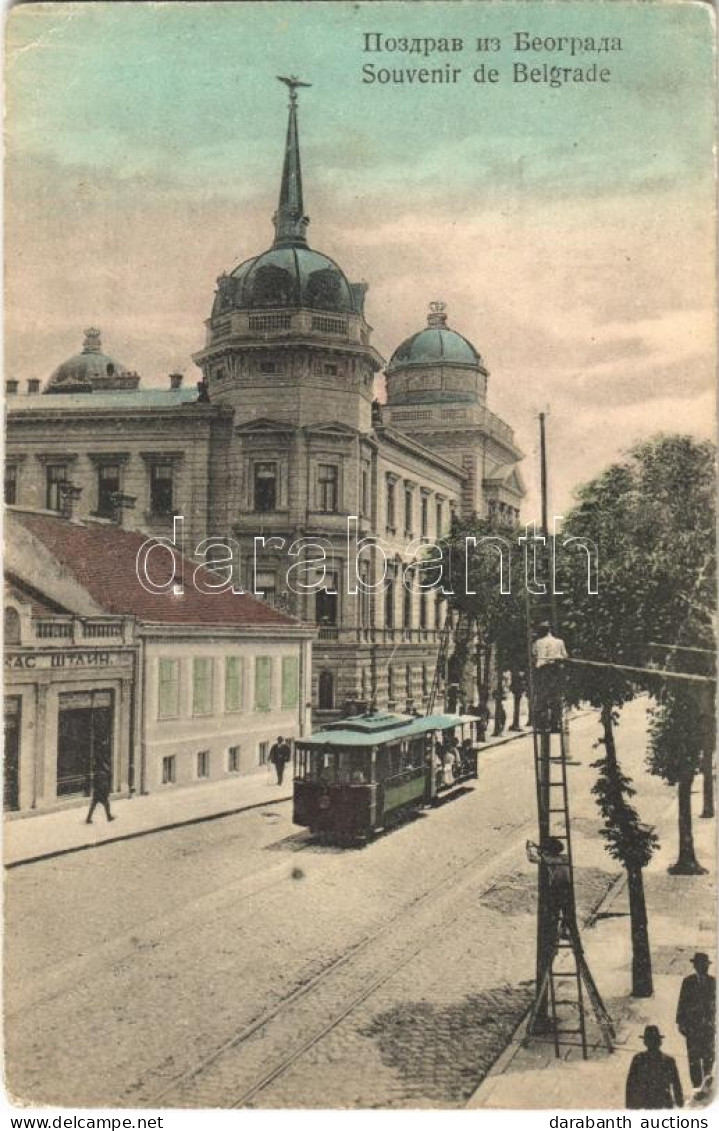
[[695, 1021], [653, 1080]]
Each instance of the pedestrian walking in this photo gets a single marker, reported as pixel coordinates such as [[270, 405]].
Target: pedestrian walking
[[279, 757], [100, 792], [695, 1021], [653, 1078]]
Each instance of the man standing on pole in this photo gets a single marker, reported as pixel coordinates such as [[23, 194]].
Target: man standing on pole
[[548, 652]]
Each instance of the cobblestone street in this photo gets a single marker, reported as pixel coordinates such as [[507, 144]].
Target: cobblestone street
[[238, 963]]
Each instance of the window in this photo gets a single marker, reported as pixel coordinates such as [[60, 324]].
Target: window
[[265, 486], [108, 484], [168, 770], [364, 497], [408, 681], [330, 370], [437, 612], [161, 488], [55, 477], [440, 519], [263, 750], [168, 697], [328, 482], [266, 586], [390, 682], [425, 517], [406, 606], [326, 690], [390, 504], [233, 760], [268, 367], [11, 633], [389, 604], [10, 484], [365, 594], [408, 511], [422, 609], [290, 682], [203, 763], [425, 688], [202, 685], [234, 672], [219, 374], [263, 683], [326, 601]]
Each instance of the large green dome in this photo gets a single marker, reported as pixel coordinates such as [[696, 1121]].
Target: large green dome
[[292, 277]]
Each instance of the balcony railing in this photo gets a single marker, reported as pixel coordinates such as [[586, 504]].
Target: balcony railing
[[379, 635], [280, 323]]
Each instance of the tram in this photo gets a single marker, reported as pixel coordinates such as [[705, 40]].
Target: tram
[[363, 773]]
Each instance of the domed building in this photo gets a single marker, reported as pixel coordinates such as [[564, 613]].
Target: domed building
[[284, 445], [90, 370], [437, 393]]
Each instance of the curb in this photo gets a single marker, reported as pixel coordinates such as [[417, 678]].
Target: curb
[[147, 832]]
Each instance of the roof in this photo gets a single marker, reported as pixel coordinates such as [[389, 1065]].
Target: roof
[[103, 558], [285, 277], [359, 730], [110, 399], [435, 346]]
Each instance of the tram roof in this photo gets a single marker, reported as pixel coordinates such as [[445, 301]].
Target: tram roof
[[376, 730]]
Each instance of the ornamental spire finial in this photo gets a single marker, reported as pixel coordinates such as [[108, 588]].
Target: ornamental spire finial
[[289, 219], [437, 316]]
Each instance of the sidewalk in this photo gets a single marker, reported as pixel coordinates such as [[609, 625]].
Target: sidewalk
[[681, 912], [54, 834], [41, 836]]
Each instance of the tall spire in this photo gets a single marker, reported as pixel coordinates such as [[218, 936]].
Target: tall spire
[[289, 219]]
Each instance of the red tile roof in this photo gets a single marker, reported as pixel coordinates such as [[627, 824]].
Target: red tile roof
[[103, 560], [40, 605]]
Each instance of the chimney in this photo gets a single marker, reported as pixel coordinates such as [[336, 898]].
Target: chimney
[[70, 498], [203, 395], [122, 505], [11, 388], [176, 380], [33, 386]]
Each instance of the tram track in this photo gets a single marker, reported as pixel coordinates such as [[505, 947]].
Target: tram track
[[213, 1082]]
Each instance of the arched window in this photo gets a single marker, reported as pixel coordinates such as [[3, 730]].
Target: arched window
[[326, 691], [12, 625]]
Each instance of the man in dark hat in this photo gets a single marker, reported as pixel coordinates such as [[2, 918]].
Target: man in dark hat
[[552, 855], [695, 1021], [100, 791], [653, 1079]]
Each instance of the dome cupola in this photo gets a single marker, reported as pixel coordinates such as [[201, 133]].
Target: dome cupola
[[91, 370], [436, 364]]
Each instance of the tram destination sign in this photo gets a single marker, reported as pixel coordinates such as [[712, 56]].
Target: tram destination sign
[[71, 658]]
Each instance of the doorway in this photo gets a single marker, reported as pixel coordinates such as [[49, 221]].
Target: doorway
[[84, 741], [11, 781]]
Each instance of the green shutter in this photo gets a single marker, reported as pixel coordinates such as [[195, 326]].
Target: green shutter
[[234, 671], [290, 676], [169, 689], [263, 683], [202, 686]]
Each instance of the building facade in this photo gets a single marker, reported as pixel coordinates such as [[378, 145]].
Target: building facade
[[283, 444], [182, 687]]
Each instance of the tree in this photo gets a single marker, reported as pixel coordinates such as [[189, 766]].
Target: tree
[[603, 628], [675, 754], [632, 844]]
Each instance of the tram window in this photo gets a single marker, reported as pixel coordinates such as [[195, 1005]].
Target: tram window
[[352, 767]]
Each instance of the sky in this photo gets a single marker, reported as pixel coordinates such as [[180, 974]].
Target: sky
[[570, 231]]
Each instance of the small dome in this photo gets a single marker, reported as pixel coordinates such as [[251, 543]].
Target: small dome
[[436, 345], [285, 277], [90, 370]]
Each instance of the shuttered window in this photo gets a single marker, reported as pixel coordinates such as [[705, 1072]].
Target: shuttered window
[[263, 683], [290, 682], [169, 689], [234, 683], [202, 685]]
